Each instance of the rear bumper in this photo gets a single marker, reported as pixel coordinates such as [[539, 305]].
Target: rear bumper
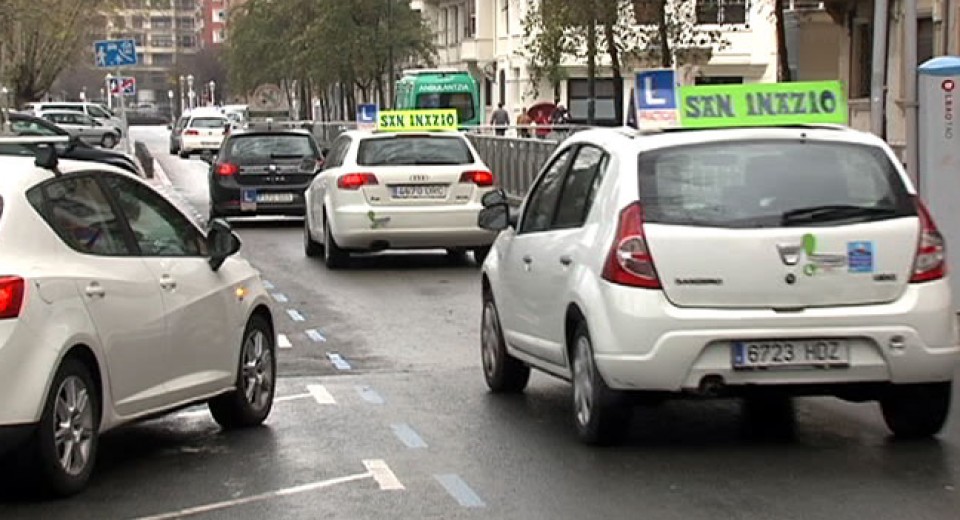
[[413, 227], [226, 201], [643, 342], [192, 144], [14, 436]]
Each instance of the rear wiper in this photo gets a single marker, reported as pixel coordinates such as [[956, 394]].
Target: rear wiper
[[831, 212]]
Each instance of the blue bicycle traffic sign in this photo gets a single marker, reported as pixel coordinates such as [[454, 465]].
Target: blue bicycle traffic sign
[[115, 53]]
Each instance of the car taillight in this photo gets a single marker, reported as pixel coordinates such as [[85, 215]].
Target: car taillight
[[931, 261], [11, 296], [353, 181], [629, 261], [479, 177], [191, 132], [227, 169]]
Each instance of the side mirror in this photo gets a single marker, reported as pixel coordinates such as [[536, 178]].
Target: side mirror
[[207, 156], [494, 218], [494, 198], [222, 243]]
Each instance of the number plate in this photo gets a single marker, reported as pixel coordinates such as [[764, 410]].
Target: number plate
[[275, 198], [791, 353], [420, 191]]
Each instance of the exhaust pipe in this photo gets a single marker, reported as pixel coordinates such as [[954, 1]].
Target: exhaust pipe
[[712, 386]]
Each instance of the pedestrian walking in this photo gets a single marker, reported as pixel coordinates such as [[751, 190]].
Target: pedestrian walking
[[523, 122], [500, 120]]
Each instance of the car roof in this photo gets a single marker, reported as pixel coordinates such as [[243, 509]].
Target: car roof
[[21, 173], [270, 131], [370, 134], [56, 111], [206, 112]]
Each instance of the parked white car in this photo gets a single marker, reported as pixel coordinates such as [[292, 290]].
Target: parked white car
[[115, 307], [765, 263], [88, 129], [382, 191], [94, 110]]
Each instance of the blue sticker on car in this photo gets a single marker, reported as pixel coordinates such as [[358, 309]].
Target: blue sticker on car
[[860, 257]]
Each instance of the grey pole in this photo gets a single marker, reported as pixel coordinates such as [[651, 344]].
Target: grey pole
[[911, 158], [878, 73]]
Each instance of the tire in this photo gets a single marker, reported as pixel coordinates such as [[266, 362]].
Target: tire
[[108, 141], [251, 402], [599, 413], [72, 386], [504, 373], [333, 256], [311, 247], [916, 411], [480, 254], [183, 154]]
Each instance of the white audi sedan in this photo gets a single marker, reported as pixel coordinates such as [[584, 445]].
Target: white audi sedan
[[406, 190], [114, 307], [764, 263]]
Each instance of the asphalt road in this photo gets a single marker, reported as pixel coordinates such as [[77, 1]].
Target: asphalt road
[[384, 414]]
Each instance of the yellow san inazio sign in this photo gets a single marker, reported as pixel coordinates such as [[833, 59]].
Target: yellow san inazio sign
[[417, 120]]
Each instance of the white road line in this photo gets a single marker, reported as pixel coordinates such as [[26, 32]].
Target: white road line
[[259, 498], [382, 473], [320, 393], [369, 395], [283, 341], [267, 285], [315, 336], [291, 397], [280, 297], [407, 436], [295, 315], [459, 490], [338, 361]]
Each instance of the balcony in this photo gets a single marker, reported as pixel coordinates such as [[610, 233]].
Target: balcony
[[473, 49]]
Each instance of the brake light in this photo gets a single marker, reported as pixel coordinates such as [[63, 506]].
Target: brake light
[[353, 181], [11, 296], [480, 177], [191, 132], [227, 169], [629, 261], [931, 261]]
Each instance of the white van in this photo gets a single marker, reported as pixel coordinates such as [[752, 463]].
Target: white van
[[94, 110]]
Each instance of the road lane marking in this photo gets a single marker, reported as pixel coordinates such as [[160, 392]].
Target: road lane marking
[[280, 297], [338, 361], [295, 315], [459, 490], [316, 336], [283, 341], [267, 285], [407, 436], [320, 393], [369, 395], [226, 504], [382, 473], [291, 397]]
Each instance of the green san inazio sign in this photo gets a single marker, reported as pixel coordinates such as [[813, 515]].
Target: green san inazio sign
[[762, 104]]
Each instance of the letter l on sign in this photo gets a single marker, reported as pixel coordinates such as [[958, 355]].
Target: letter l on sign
[[649, 89]]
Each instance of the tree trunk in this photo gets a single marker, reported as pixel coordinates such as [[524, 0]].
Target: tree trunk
[[783, 61], [614, 54], [666, 53], [591, 71]]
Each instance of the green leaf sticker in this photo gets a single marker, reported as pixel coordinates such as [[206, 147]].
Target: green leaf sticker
[[809, 244]]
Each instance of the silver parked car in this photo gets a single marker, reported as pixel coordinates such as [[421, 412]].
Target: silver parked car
[[83, 126]]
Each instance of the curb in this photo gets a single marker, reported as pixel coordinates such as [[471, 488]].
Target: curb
[[160, 175]]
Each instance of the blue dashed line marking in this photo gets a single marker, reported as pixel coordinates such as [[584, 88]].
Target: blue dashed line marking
[[338, 361], [295, 315], [407, 436], [315, 336], [459, 490], [369, 395]]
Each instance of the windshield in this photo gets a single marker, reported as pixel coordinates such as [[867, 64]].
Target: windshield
[[770, 184], [399, 150], [208, 122], [265, 147], [462, 101]]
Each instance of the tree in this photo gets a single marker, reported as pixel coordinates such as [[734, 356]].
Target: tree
[[41, 38], [548, 42], [783, 58]]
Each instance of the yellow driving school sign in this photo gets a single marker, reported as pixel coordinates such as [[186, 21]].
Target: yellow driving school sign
[[417, 120]]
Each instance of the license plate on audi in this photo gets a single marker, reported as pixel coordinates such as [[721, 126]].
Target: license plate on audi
[[802, 353], [420, 191]]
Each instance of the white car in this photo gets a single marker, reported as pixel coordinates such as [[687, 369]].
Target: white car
[[94, 110], [115, 307], [203, 130], [86, 128], [764, 263], [382, 191]]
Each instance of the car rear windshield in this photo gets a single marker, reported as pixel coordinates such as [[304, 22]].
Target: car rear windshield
[[744, 184], [208, 122], [266, 147], [402, 150]]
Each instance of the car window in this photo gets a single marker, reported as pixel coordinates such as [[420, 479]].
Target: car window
[[182, 122], [266, 147], [160, 228], [338, 152], [413, 149], [208, 122], [81, 215], [543, 197], [31, 128], [96, 111], [579, 187], [764, 183]]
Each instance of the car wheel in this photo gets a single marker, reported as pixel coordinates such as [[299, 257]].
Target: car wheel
[[173, 150], [480, 254], [503, 372], [600, 416], [311, 247], [68, 436], [916, 411], [108, 141], [333, 256], [251, 402], [184, 155]]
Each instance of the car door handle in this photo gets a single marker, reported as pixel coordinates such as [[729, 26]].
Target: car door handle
[[527, 259], [566, 260], [95, 290], [167, 282]]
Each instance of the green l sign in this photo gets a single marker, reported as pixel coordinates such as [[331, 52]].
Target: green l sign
[[763, 104]]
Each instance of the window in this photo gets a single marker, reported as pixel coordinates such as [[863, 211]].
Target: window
[[138, 22], [161, 40], [580, 187], [470, 23], [753, 184], [159, 228], [219, 36], [721, 11], [925, 39], [718, 80], [219, 15], [267, 147], [502, 80], [444, 29], [861, 61], [605, 111], [413, 150], [338, 152], [161, 22], [96, 111], [209, 122], [188, 41], [163, 59], [455, 15], [186, 4], [543, 197], [81, 215], [186, 22]]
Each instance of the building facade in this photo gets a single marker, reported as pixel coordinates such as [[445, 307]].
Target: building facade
[[215, 14], [486, 37]]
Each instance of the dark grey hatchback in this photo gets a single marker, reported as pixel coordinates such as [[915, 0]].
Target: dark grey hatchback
[[263, 172]]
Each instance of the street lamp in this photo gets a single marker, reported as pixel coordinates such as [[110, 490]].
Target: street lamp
[[107, 78], [83, 94], [170, 97], [190, 92], [213, 96], [183, 93], [6, 96]]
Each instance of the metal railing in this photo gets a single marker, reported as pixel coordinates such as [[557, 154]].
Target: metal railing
[[514, 161]]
